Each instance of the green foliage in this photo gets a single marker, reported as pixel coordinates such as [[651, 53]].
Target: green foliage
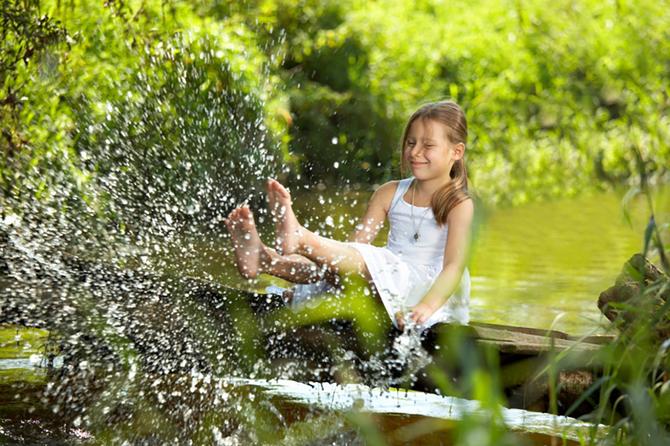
[[555, 93], [633, 393], [24, 34]]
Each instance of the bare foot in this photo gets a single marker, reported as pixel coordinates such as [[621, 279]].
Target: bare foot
[[288, 232], [250, 254]]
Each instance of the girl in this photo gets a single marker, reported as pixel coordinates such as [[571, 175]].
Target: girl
[[421, 272]]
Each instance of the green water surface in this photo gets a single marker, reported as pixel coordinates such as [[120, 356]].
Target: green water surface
[[539, 265]]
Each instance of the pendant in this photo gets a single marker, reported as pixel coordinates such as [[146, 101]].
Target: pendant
[[416, 236]]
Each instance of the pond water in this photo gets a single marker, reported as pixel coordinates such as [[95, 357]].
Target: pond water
[[544, 265], [540, 265]]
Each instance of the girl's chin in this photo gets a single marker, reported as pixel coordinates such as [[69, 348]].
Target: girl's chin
[[419, 171]]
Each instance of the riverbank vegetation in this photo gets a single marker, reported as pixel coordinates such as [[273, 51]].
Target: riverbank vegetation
[[324, 88]]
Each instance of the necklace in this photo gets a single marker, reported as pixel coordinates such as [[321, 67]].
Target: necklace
[[415, 237]]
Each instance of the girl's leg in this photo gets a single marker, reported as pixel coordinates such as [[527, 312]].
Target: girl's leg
[[292, 238], [253, 257]]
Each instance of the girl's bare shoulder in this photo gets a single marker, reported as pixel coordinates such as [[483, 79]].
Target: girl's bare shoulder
[[388, 188], [463, 211], [384, 194]]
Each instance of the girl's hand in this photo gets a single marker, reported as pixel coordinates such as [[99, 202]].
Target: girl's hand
[[421, 313]]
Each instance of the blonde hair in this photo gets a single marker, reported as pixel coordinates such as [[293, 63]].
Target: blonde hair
[[454, 192]]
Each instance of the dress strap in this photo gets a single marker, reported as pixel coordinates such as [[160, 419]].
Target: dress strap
[[400, 190]]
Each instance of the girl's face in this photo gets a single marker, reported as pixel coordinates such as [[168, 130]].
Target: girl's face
[[428, 151]]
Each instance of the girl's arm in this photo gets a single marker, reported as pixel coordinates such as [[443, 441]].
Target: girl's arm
[[375, 215], [456, 252]]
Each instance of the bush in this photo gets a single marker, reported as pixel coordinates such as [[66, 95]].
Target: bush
[[145, 124]]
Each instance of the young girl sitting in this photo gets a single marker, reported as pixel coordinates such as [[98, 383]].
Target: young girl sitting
[[421, 273]]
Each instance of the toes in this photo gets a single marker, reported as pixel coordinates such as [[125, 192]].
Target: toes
[[281, 190], [278, 188], [235, 214], [238, 218], [247, 217], [230, 222]]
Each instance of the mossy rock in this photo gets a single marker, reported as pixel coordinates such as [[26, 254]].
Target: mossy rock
[[641, 289]]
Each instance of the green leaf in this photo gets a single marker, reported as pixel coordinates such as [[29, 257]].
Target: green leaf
[[647, 234], [626, 202]]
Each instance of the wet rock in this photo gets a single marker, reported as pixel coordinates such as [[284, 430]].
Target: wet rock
[[641, 290]]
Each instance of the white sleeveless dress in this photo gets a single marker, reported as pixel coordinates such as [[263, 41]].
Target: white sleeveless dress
[[404, 270]]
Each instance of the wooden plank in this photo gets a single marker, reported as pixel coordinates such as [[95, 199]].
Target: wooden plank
[[527, 330], [593, 339], [536, 348], [529, 341]]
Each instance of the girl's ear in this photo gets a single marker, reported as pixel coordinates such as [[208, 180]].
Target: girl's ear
[[458, 151]]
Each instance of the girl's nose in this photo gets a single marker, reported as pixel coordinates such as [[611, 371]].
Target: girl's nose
[[414, 151]]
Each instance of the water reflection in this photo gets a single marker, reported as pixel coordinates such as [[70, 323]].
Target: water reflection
[[545, 264]]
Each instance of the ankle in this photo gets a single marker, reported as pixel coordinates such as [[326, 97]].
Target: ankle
[[304, 243]]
